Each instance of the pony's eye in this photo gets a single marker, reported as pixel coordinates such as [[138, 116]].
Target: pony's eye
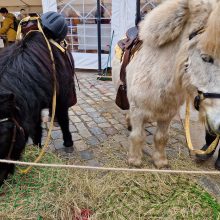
[[207, 58]]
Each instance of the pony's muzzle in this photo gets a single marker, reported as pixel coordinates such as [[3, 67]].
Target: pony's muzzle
[[213, 123]]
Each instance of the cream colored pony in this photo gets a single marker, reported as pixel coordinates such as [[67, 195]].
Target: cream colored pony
[[180, 55]]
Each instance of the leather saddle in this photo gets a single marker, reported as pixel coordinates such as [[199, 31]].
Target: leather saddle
[[131, 36], [129, 46]]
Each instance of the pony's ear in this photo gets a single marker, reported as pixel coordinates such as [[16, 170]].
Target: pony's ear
[[199, 14], [164, 23], [7, 104], [209, 41]]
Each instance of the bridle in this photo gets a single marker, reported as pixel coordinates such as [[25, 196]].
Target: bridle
[[201, 95], [15, 128]]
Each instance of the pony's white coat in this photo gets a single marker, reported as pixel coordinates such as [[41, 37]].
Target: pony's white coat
[[167, 67]]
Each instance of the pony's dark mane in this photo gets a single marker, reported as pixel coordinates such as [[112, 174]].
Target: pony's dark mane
[[26, 66], [20, 53], [26, 87]]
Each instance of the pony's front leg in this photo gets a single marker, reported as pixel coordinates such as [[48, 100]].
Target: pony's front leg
[[160, 140], [137, 138]]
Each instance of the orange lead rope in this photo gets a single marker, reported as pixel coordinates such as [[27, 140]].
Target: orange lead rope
[[211, 147]]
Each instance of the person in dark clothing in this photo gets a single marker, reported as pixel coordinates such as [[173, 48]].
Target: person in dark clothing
[[22, 15]]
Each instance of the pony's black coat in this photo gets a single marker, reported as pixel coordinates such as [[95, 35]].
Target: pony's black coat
[[26, 87]]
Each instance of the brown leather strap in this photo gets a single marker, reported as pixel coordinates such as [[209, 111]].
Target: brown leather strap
[[18, 126], [12, 142], [132, 46], [125, 62]]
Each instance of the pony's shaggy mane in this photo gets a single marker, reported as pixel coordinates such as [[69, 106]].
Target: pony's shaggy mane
[[209, 41], [165, 23], [26, 87], [22, 52]]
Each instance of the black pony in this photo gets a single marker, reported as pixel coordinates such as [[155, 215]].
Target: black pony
[[26, 87]]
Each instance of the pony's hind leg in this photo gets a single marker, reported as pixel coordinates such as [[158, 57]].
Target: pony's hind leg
[[160, 140], [63, 120], [137, 138]]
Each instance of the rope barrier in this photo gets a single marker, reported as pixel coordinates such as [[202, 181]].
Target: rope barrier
[[187, 130], [115, 169]]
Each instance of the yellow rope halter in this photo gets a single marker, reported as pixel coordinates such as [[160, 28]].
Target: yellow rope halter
[[43, 150], [211, 147]]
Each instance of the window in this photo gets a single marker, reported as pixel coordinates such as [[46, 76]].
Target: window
[[81, 16]]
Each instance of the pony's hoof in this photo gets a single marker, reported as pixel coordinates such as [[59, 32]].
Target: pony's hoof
[[68, 143], [134, 161], [161, 164], [68, 150]]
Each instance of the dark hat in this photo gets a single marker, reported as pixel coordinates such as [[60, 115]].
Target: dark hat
[[3, 10], [55, 23]]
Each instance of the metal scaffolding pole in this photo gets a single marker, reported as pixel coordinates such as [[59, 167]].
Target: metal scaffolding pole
[[99, 37], [138, 12]]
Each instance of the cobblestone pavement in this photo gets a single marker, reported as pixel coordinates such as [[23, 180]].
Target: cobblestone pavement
[[100, 136]]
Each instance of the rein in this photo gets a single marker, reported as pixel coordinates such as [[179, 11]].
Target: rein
[[43, 150], [202, 96], [12, 142], [197, 101], [211, 147]]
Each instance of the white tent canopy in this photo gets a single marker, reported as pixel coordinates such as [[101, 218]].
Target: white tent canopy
[[16, 5], [123, 17]]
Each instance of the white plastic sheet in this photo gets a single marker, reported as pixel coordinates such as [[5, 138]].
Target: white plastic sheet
[[89, 60], [49, 5], [123, 17]]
